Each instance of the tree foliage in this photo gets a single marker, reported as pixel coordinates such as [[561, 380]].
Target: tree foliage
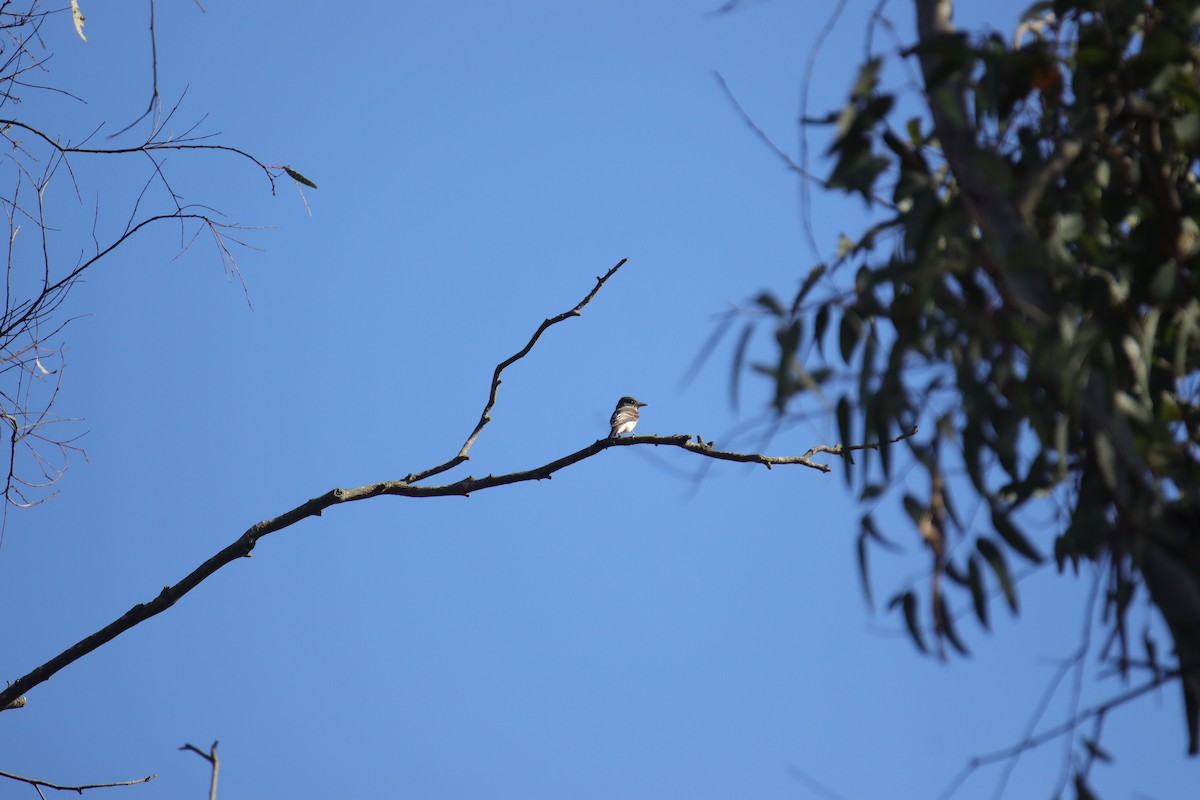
[[1029, 294]]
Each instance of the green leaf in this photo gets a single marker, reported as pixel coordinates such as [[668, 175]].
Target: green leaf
[[789, 337], [1012, 535], [739, 357], [913, 126], [978, 590], [908, 600], [771, 302], [951, 571], [871, 491], [868, 527], [1106, 459], [863, 572], [814, 275], [819, 326], [915, 508], [844, 431], [857, 171], [991, 553], [947, 627], [296, 176]]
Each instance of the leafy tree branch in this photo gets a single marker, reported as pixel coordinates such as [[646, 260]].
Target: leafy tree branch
[[1028, 294]]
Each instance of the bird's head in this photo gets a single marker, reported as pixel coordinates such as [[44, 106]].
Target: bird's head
[[630, 401]]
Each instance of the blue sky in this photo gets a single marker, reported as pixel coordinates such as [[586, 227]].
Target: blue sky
[[627, 629]]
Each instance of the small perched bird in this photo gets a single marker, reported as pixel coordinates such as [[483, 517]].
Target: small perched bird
[[625, 418]]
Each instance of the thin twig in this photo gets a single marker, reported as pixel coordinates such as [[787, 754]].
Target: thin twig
[[1056, 731], [809, 68], [154, 98], [842, 449], [37, 782], [788, 161], [485, 417]]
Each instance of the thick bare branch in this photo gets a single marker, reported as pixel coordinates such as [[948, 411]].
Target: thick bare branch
[[464, 487], [409, 487]]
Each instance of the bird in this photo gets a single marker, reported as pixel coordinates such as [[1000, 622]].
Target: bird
[[625, 418]]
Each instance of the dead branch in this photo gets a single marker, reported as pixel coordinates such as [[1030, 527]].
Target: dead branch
[[40, 784], [271, 171], [486, 417], [211, 758], [408, 486]]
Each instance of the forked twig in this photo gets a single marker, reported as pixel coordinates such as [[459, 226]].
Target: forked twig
[[211, 758], [485, 417]]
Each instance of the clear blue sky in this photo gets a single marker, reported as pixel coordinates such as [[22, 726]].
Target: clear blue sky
[[625, 630]]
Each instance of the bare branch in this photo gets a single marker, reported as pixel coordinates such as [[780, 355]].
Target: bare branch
[[154, 97], [37, 782], [271, 171], [1031, 742], [846, 449], [464, 487], [485, 417], [211, 758], [20, 701], [37, 281], [787, 160], [408, 487]]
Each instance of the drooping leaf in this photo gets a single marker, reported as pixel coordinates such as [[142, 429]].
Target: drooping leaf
[[820, 324], [991, 553], [869, 527], [849, 334], [845, 433], [978, 590], [739, 357], [864, 575], [814, 275], [866, 376], [871, 491], [951, 571], [296, 176], [915, 508], [789, 337], [1012, 535], [947, 627], [908, 601], [1106, 459]]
